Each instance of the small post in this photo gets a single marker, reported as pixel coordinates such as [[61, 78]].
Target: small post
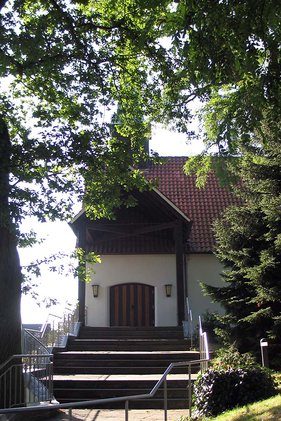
[[165, 400], [264, 352], [70, 414], [189, 391], [53, 333], [126, 410]]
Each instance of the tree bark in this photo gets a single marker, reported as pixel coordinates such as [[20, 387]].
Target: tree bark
[[10, 272]]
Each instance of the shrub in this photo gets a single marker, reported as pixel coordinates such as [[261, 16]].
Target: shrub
[[230, 357], [234, 380]]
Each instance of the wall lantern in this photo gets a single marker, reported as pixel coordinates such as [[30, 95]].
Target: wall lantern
[[168, 290], [95, 290]]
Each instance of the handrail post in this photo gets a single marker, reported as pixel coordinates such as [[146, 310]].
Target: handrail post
[[70, 414], [126, 410], [165, 399], [189, 391], [10, 387]]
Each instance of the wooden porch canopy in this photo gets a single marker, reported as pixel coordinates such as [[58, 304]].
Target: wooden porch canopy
[[155, 225]]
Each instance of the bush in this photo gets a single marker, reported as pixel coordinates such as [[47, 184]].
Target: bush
[[223, 387], [230, 357], [216, 391]]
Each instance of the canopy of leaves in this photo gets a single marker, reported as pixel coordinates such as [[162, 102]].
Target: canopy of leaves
[[227, 54], [64, 66]]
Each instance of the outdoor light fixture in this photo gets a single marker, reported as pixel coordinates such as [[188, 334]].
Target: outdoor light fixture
[[168, 290], [95, 290]]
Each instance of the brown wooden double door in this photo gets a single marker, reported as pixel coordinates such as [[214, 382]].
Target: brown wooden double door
[[132, 304]]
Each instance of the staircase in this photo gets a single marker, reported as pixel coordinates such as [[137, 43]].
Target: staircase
[[120, 361]]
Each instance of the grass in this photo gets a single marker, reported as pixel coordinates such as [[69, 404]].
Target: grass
[[267, 410]]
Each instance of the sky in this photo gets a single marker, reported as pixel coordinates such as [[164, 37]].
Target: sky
[[60, 238]]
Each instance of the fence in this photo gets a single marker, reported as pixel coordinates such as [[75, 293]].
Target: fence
[[26, 379], [36, 383], [54, 331], [31, 344], [125, 399]]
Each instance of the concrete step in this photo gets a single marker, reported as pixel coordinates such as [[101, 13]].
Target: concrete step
[[120, 363], [128, 345], [128, 332], [116, 370], [114, 362], [76, 388], [153, 403], [127, 356]]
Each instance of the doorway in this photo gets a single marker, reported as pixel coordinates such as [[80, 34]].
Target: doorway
[[132, 304]]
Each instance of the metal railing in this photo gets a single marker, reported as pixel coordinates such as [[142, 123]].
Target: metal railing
[[188, 322], [26, 379], [203, 347], [61, 328], [55, 330], [125, 399], [44, 381], [32, 345]]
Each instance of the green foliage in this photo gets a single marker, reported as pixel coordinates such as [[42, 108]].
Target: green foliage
[[84, 270], [211, 325], [249, 247], [230, 55], [67, 65], [230, 357], [216, 391], [64, 68]]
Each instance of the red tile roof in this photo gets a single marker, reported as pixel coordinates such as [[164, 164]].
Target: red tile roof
[[201, 206]]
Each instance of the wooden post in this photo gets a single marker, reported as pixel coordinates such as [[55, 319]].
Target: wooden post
[[81, 282], [180, 271]]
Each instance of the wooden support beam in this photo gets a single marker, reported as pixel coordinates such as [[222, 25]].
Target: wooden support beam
[[139, 228], [180, 271], [81, 282], [134, 232]]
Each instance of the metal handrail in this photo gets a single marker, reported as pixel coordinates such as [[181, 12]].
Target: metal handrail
[[203, 362], [200, 326], [6, 362], [43, 329], [126, 399], [26, 379], [36, 345], [203, 347]]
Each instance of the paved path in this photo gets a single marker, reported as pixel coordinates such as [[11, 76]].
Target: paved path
[[118, 415]]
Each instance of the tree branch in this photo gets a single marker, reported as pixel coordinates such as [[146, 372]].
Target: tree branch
[[3, 3]]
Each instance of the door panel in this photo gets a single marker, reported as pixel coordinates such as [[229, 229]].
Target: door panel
[[132, 304]]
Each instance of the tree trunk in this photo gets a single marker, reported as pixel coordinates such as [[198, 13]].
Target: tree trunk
[[10, 272]]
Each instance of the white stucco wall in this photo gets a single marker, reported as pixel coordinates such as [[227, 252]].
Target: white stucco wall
[[202, 268], [155, 270]]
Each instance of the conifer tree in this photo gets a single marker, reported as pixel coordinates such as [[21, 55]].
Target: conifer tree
[[249, 245]]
